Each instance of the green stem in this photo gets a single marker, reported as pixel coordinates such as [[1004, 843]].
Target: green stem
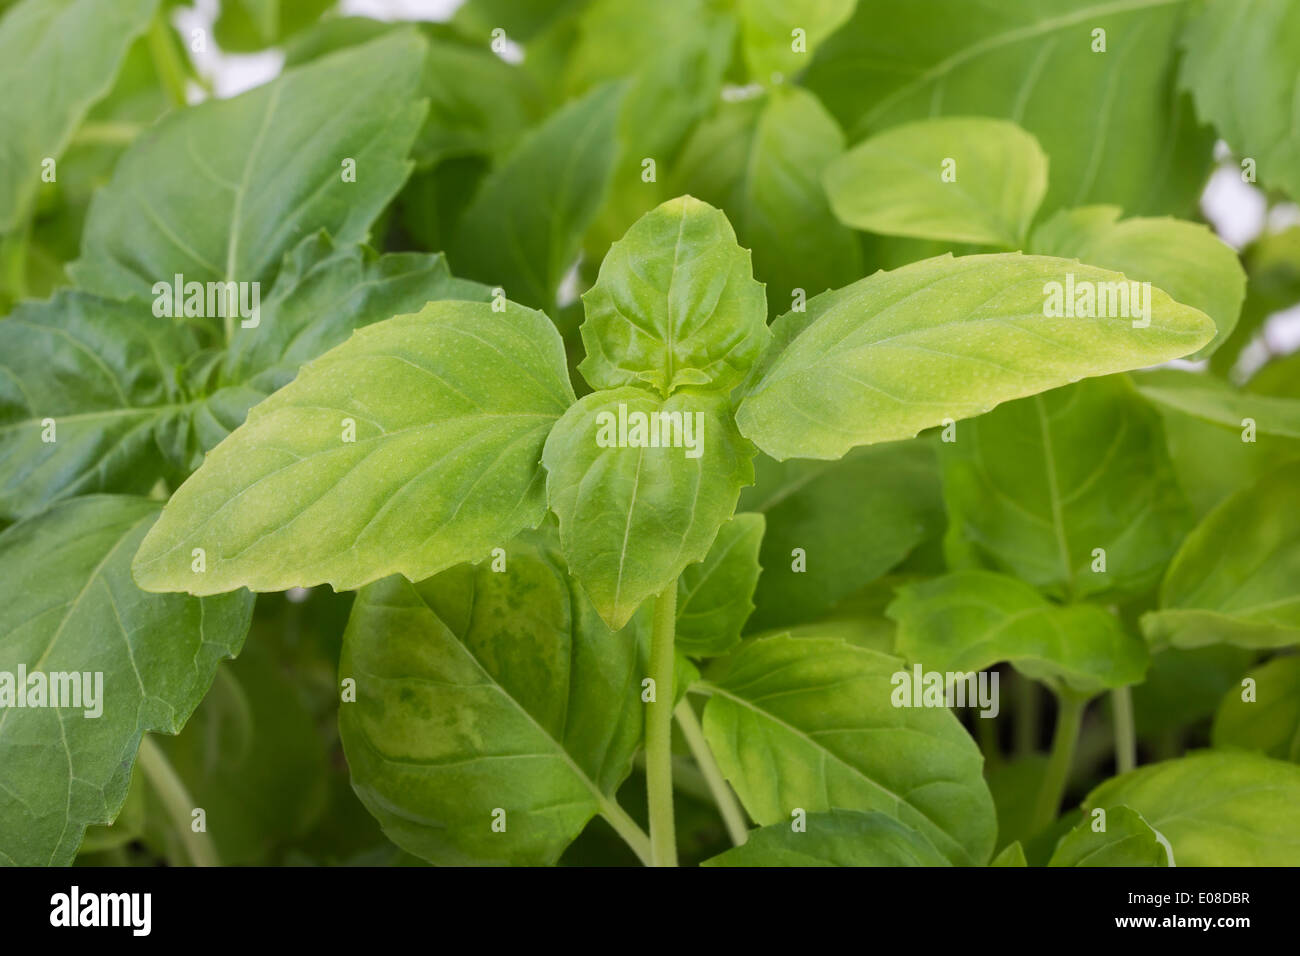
[[176, 800], [626, 827], [1028, 710], [1069, 717], [659, 731], [171, 71], [986, 729], [107, 134], [728, 805], [13, 263], [1121, 702]]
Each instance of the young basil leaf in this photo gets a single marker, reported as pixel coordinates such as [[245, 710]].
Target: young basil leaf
[[807, 724], [70, 607], [487, 696], [781, 35], [715, 596], [1186, 259], [961, 179], [1269, 719], [676, 77], [1249, 98], [323, 292], [1215, 401], [761, 160], [834, 526], [634, 514], [834, 838], [1012, 855], [1126, 840], [1040, 64], [411, 447], [1233, 579], [970, 620], [1212, 452], [974, 331], [273, 165], [89, 399], [675, 304], [1071, 490], [57, 58], [1215, 809], [523, 230]]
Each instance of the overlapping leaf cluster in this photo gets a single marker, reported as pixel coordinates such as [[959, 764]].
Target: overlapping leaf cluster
[[471, 260]]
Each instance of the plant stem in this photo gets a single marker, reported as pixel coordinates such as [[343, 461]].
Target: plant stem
[[1069, 717], [1028, 710], [176, 799], [13, 263], [659, 731], [986, 730], [728, 805], [1121, 702], [626, 828], [171, 72]]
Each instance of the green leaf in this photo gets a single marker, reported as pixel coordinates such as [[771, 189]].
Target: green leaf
[[1117, 129], [1216, 809], [675, 304], [70, 606], [1233, 579], [1273, 285], [1183, 687], [1212, 400], [771, 28], [632, 517], [1012, 855], [1036, 486], [248, 25], [941, 339], [523, 230], [1127, 840], [478, 104], [853, 519], [105, 373], [1185, 259], [323, 292], [761, 160], [270, 165], [521, 19], [479, 690], [970, 620], [1205, 442], [1270, 721], [961, 179], [57, 58], [808, 724], [411, 447], [676, 77], [715, 596], [1014, 784], [834, 838], [1240, 66]]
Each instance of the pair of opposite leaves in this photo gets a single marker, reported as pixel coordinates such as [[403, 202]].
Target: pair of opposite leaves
[[429, 439]]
